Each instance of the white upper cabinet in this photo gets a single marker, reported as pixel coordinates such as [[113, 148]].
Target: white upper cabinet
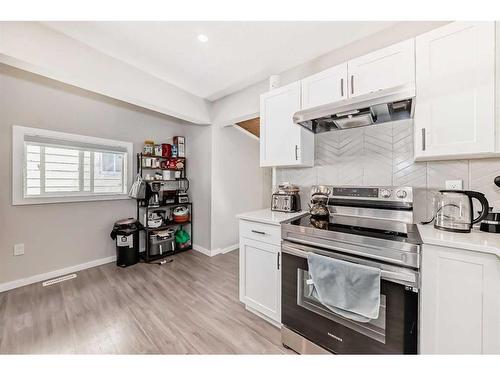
[[325, 87], [455, 75], [283, 143], [385, 68]]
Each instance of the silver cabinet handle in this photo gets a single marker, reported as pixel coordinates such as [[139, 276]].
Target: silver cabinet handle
[[352, 83], [423, 139], [278, 261], [342, 87], [258, 232], [296, 152]]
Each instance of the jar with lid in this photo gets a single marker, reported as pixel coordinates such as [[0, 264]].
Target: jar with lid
[[158, 150], [148, 147]]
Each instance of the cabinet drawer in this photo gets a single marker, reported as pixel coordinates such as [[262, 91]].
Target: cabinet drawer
[[260, 232]]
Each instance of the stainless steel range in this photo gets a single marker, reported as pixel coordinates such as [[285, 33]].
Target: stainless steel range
[[372, 226]]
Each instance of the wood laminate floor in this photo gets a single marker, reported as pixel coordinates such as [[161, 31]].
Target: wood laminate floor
[[189, 306]]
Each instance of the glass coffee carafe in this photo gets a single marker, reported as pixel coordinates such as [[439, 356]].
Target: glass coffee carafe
[[453, 210]]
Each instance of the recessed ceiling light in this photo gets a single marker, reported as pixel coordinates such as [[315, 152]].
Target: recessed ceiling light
[[203, 38]]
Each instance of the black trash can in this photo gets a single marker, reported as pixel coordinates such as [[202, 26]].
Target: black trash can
[[126, 234]]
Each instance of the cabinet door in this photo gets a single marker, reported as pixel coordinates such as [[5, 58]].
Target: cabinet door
[[460, 302], [325, 87], [454, 113], [385, 68], [283, 143], [261, 277]]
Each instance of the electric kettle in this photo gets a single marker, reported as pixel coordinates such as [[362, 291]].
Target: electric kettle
[[454, 210], [319, 207]]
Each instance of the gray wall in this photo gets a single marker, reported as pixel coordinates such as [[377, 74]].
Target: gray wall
[[383, 155], [239, 184], [198, 144], [67, 234]]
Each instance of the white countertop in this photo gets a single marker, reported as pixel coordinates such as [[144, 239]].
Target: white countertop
[[475, 241], [270, 217]]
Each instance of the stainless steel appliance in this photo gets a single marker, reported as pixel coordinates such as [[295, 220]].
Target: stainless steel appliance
[[491, 222], [372, 226], [181, 193], [318, 208], [154, 219], [454, 211], [154, 199], [161, 242], [396, 103], [286, 199], [182, 197]]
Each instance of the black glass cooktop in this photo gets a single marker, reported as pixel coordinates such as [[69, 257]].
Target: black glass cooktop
[[331, 225]]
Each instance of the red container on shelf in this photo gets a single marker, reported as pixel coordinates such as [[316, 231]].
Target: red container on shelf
[[175, 164], [166, 150]]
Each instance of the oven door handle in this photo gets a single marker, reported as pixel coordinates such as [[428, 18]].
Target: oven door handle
[[399, 276]]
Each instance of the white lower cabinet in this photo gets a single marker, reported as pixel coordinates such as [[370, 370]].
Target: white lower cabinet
[[460, 302], [260, 271]]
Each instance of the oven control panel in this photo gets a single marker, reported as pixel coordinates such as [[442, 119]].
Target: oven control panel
[[379, 193]]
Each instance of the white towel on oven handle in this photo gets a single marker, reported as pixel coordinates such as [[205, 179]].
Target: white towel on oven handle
[[348, 289]]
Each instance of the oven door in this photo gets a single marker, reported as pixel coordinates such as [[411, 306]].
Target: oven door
[[395, 330]]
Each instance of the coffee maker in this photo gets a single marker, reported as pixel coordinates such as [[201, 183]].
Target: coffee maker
[[154, 199]]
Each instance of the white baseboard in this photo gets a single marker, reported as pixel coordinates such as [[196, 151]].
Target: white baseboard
[[94, 263], [201, 250], [215, 252], [225, 249], [52, 274], [228, 249], [266, 318]]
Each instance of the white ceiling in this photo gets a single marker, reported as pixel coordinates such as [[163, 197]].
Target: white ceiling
[[236, 55]]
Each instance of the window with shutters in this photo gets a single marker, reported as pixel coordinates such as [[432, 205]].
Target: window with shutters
[[60, 167]]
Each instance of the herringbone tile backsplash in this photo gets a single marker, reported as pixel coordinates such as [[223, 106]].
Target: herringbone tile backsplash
[[383, 155]]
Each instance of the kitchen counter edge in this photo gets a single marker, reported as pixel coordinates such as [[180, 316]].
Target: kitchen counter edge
[[477, 241], [266, 216]]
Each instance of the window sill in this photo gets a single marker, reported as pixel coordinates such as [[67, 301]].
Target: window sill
[[70, 199]]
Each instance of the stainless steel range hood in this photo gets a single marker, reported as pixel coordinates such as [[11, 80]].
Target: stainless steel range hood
[[375, 108]]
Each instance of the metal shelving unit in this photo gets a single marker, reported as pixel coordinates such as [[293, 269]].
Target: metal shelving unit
[[144, 205]]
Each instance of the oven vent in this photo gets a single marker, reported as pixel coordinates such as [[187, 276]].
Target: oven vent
[[59, 279], [377, 107]]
